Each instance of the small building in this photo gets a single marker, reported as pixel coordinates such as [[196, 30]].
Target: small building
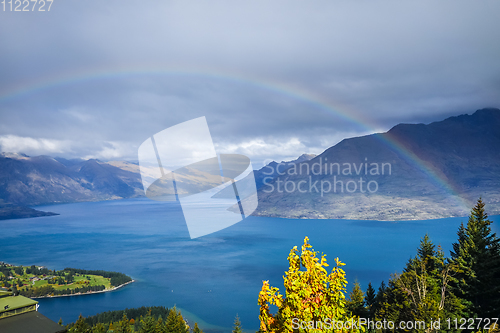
[[19, 314]]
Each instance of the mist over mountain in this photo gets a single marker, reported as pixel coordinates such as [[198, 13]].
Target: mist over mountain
[[436, 170], [413, 171], [42, 180]]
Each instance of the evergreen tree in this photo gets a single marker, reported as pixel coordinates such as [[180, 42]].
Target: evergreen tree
[[175, 323], [123, 326], [171, 322], [383, 309], [422, 292], [370, 299], [426, 255], [356, 302], [477, 257], [196, 329], [80, 326], [237, 325], [379, 298], [148, 324], [182, 326], [99, 328], [162, 327]]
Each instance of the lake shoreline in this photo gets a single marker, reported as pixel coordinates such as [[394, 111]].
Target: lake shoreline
[[150, 241], [88, 293]]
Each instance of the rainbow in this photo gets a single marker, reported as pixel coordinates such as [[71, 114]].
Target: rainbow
[[343, 112]]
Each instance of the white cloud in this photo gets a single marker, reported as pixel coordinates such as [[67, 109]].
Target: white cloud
[[100, 83], [114, 150], [37, 146], [263, 149], [108, 150], [281, 148]]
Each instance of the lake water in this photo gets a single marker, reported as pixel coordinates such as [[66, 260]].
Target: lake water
[[211, 278]]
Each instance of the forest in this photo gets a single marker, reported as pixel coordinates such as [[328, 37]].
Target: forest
[[156, 319]]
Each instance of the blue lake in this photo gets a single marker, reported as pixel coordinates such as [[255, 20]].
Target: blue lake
[[212, 278]]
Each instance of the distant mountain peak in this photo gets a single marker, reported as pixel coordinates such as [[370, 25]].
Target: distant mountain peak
[[17, 156], [484, 114], [485, 117], [431, 164], [304, 158], [488, 111]]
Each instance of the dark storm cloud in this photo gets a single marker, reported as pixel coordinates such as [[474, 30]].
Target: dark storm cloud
[[383, 62]]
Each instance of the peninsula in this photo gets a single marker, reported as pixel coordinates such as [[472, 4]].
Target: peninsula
[[39, 281]]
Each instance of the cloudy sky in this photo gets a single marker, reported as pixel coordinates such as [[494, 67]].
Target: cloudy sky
[[274, 79]]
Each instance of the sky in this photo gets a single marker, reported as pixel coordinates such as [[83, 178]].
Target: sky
[[274, 79]]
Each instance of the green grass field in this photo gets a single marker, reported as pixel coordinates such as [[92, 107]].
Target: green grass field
[[79, 280]]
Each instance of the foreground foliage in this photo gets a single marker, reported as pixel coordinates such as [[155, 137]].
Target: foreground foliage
[[434, 288], [431, 289], [311, 295], [142, 320], [477, 258]]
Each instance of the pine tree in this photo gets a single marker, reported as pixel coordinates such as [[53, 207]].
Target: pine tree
[[148, 324], [356, 302], [162, 327], [382, 308], [477, 257], [171, 322], [196, 329], [175, 323], [99, 328], [123, 326], [182, 327], [417, 289], [380, 297], [237, 325], [422, 292], [80, 326], [370, 299], [426, 253]]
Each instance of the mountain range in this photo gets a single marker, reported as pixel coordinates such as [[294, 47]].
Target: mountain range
[[30, 181], [423, 171], [437, 170]]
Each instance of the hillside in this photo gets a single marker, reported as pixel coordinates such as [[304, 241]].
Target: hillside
[[41, 180], [10, 211], [437, 170], [422, 172]]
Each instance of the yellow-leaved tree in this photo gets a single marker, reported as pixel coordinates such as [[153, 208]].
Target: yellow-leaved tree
[[314, 299]]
